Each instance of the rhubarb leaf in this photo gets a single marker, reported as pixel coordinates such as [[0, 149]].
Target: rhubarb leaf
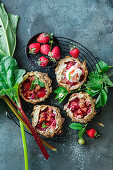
[[8, 25], [10, 77]]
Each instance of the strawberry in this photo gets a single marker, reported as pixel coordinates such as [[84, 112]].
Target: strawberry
[[43, 61], [34, 48], [55, 53], [92, 133], [44, 49], [43, 38], [74, 52]]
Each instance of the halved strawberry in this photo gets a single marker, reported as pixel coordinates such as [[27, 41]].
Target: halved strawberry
[[34, 48], [44, 49], [43, 38]]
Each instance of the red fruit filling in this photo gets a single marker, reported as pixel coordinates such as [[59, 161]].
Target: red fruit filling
[[80, 107], [46, 119], [37, 92], [64, 79]]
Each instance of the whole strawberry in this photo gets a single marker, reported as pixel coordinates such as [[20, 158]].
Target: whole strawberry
[[43, 38], [92, 133], [55, 53], [43, 61], [44, 49], [34, 48], [74, 52]]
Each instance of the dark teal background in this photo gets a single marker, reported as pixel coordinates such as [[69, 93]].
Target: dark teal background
[[89, 22]]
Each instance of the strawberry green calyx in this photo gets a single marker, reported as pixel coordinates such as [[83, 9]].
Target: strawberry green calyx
[[52, 59], [32, 51], [46, 35]]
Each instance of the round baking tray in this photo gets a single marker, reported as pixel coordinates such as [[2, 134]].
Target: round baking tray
[[25, 63]]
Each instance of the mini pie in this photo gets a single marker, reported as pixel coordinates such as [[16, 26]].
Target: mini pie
[[80, 107], [47, 120], [71, 73], [36, 91]]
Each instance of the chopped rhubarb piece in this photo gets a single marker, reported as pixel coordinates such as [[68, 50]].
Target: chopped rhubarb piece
[[46, 119], [79, 107], [88, 103], [81, 78], [84, 110], [69, 64], [89, 110], [26, 86], [74, 106]]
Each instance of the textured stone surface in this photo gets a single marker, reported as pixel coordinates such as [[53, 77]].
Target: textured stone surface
[[90, 23]]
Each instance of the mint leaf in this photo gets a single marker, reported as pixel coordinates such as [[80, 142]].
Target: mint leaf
[[33, 85], [40, 83], [43, 125]]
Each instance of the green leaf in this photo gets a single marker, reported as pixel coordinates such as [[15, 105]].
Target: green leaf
[[98, 99], [63, 91], [103, 97], [33, 84], [81, 132], [76, 126], [19, 75], [8, 27], [57, 96], [107, 80], [11, 92], [10, 77], [92, 92], [60, 90], [60, 100], [43, 125], [95, 81], [105, 88], [40, 83], [98, 102], [102, 66]]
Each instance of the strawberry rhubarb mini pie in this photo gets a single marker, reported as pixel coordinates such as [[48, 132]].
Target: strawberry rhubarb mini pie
[[47, 120], [71, 73], [80, 107], [35, 87]]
